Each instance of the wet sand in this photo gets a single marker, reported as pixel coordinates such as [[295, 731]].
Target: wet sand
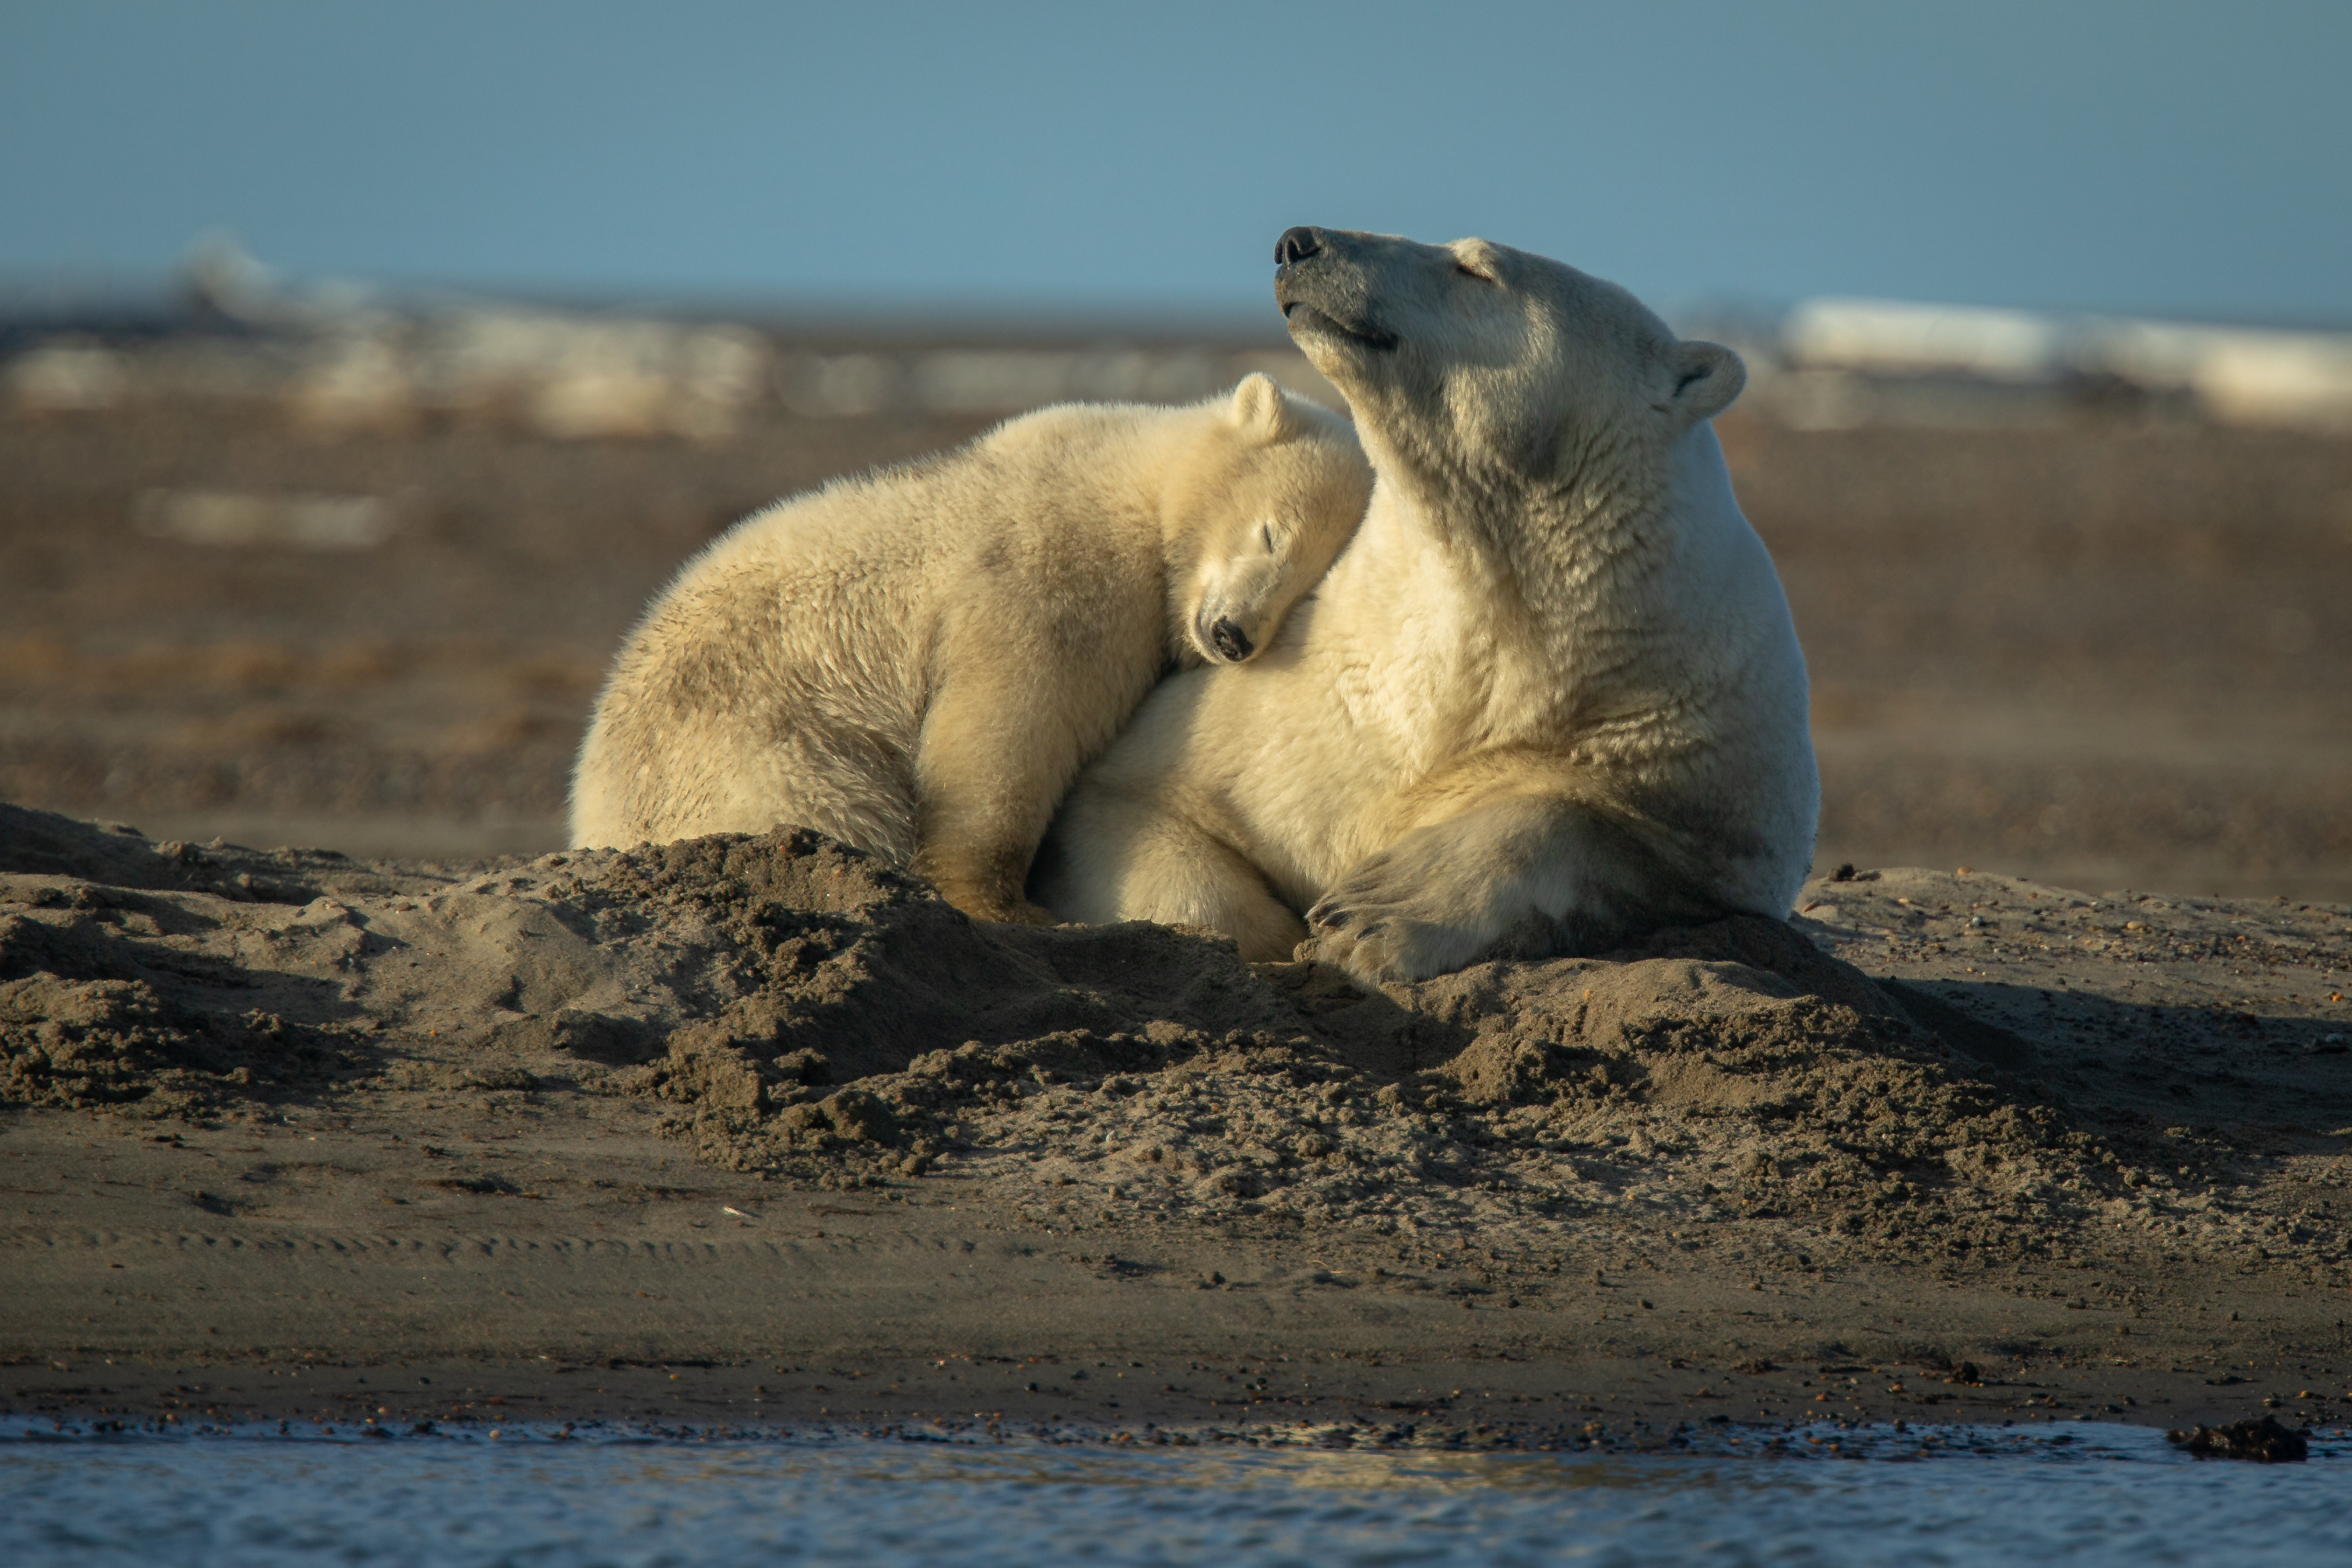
[[545, 1140]]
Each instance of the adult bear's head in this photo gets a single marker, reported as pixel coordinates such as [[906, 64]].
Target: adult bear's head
[[1475, 363]]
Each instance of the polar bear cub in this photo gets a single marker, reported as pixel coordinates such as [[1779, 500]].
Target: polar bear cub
[[1549, 695], [919, 662]]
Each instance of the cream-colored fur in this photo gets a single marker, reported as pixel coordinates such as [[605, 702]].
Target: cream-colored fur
[[1549, 695], [919, 662]]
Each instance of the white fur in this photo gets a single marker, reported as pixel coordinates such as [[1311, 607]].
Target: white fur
[[1550, 694], [919, 662]]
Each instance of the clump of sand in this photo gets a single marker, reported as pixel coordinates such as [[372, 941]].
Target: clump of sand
[[93, 1016]]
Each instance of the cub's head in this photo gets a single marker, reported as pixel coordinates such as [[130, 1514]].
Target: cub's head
[[1266, 498], [1473, 359]]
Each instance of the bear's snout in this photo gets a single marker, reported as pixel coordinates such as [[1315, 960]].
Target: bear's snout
[[1297, 244], [1230, 641]]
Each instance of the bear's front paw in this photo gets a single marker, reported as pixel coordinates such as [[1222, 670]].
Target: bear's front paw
[[1363, 955], [1375, 940]]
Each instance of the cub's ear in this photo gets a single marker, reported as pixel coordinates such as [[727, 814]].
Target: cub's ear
[[1260, 412], [1707, 377]]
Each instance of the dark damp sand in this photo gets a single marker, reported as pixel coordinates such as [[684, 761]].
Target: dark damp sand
[[436, 1194]]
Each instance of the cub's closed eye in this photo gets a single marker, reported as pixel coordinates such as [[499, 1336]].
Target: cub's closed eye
[[1265, 533]]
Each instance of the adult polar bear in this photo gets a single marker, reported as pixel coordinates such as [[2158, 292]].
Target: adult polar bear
[[1549, 695]]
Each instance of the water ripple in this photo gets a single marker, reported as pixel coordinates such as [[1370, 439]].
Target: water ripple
[[2076, 1494]]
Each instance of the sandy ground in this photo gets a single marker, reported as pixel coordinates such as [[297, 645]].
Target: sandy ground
[[2097, 654], [753, 1131]]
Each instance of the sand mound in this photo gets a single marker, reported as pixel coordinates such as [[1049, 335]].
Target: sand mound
[[871, 1032], [1743, 1076], [797, 1009]]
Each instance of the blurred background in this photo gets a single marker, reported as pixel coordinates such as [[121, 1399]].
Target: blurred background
[[362, 370]]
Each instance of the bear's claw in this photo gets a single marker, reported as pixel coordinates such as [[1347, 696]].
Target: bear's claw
[[1368, 954], [1378, 928], [1371, 944]]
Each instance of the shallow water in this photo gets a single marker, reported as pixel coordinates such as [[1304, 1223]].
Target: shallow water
[[2066, 1493]]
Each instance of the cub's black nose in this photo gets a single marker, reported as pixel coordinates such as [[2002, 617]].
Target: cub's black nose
[[1295, 245], [1230, 641]]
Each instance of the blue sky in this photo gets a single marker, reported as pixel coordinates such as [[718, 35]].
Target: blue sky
[[2192, 160]]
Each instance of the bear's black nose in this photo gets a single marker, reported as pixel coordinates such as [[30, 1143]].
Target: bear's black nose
[[1230, 640], [1295, 245]]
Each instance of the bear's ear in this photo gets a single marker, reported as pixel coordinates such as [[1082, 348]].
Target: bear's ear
[[1260, 412], [1707, 376]]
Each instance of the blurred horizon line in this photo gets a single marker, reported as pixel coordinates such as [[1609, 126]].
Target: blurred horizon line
[[348, 352], [215, 263]]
